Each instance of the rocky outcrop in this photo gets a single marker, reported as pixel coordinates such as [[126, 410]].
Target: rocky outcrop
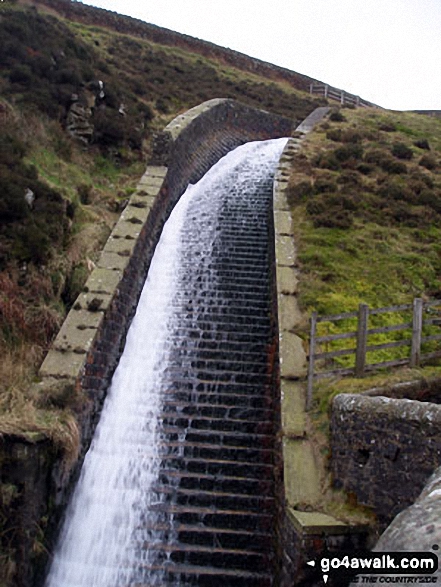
[[79, 122], [417, 528]]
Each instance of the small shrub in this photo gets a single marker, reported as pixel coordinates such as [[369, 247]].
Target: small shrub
[[334, 134], [336, 115], [349, 151], [431, 198], [328, 160], [351, 136], [299, 192], [422, 144], [349, 177], [385, 161], [109, 128], [429, 162], [21, 74], [402, 151], [365, 168], [163, 105], [340, 219], [387, 127], [397, 190], [84, 193], [325, 184]]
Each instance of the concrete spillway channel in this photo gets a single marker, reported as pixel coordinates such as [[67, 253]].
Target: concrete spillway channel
[[180, 486]]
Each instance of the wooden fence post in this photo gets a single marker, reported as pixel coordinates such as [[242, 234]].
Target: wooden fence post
[[360, 355], [311, 361], [417, 327]]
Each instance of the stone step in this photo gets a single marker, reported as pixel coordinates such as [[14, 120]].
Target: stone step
[[217, 411], [194, 363], [216, 375], [214, 499], [261, 388], [224, 438], [211, 482], [210, 451], [226, 519], [217, 399]]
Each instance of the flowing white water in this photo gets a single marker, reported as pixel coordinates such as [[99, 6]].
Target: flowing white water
[[97, 547]]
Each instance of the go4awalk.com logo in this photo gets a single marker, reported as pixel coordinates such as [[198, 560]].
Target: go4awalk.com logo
[[401, 568]]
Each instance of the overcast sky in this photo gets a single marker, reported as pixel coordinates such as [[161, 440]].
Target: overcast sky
[[385, 51]]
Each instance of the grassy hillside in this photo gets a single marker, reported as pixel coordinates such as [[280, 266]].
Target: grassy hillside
[[366, 202], [126, 88]]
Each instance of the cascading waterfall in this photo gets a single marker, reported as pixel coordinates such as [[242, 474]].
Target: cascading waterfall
[[111, 524]]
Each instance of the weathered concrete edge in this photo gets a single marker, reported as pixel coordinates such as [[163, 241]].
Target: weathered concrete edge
[[297, 450]]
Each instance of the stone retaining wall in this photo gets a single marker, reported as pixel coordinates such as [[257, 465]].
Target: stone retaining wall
[[87, 349], [384, 449]]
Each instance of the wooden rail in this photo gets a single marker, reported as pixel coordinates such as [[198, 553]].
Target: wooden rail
[[339, 95], [361, 333]]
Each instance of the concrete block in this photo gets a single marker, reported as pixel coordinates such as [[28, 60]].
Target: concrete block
[[316, 523], [287, 281], [111, 260], [292, 356], [120, 245], [301, 474], [62, 365], [155, 171], [103, 281], [293, 408], [285, 251], [283, 223], [135, 215], [290, 317]]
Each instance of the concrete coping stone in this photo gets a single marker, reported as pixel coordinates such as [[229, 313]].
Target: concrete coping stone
[[104, 281], [135, 215], [287, 282], [155, 171], [87, 309], [412, 411], [283, 223], [62, 365], [317, 523], [285, 251], [113, 260], [292, 356], [293, 408], [122, 245], [290, 316], [144, 190]]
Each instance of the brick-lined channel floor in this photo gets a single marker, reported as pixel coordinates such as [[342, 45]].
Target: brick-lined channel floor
[[208, 514]]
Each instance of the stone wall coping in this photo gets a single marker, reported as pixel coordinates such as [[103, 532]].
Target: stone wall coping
[[400, 409], [302, 477]]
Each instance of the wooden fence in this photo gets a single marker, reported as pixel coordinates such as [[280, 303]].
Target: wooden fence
[[415, 338], [339, 95]]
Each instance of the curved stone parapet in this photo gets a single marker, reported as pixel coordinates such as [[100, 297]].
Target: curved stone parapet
[[87, 348]]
